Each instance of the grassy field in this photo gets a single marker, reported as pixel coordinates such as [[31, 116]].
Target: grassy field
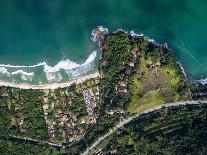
[[152, 99], [152, 84]]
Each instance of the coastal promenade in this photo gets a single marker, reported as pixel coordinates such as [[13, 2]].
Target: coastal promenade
[[129, 119], [52, 85]]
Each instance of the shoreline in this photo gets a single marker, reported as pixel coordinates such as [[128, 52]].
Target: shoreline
[[97, 35], [43, 73], [131, 33], [80, 79]]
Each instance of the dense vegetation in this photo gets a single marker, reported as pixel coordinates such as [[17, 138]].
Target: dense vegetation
[[198, 91], [13, 146], [149, 71], [21, 113], [136, 75], [176, 130], [42, 117]]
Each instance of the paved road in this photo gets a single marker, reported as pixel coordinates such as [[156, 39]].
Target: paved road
[[125, 121]]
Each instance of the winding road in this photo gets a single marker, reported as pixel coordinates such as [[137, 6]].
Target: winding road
[[125, 121]]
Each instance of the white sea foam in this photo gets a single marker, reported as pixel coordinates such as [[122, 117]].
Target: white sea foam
[[53, 76], [26, 76], [68, 66], [82, 68], [65, 64], [166, 45], [202, 81], [52, 73], [23, 73], [120, 30], [151, 40], [132, 33], [3, 70], [90, 58], [183, 71], [94, 34], [16, 66]]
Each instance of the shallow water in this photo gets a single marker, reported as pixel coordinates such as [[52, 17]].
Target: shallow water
[[53, 31]]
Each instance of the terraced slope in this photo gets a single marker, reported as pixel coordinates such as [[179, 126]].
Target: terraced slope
[[176, 130]]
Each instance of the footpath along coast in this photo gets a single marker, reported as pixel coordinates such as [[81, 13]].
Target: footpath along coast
[[52, 85]]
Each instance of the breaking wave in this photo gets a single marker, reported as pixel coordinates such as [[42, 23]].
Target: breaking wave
[[51, 73], [26, 76]]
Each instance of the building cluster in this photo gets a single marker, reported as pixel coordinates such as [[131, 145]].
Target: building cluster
[[49, 122], [64, 124], [115, 111], [121, 87], [91, 98], [22, 125]]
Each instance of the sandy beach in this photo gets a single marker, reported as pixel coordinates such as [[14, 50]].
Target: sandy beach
[[50, 86]]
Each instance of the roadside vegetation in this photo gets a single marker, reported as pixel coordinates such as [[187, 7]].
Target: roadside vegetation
[[176, 130], [13, 146]]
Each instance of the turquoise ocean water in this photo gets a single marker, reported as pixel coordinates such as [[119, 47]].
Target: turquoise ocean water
[[44, 41]]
